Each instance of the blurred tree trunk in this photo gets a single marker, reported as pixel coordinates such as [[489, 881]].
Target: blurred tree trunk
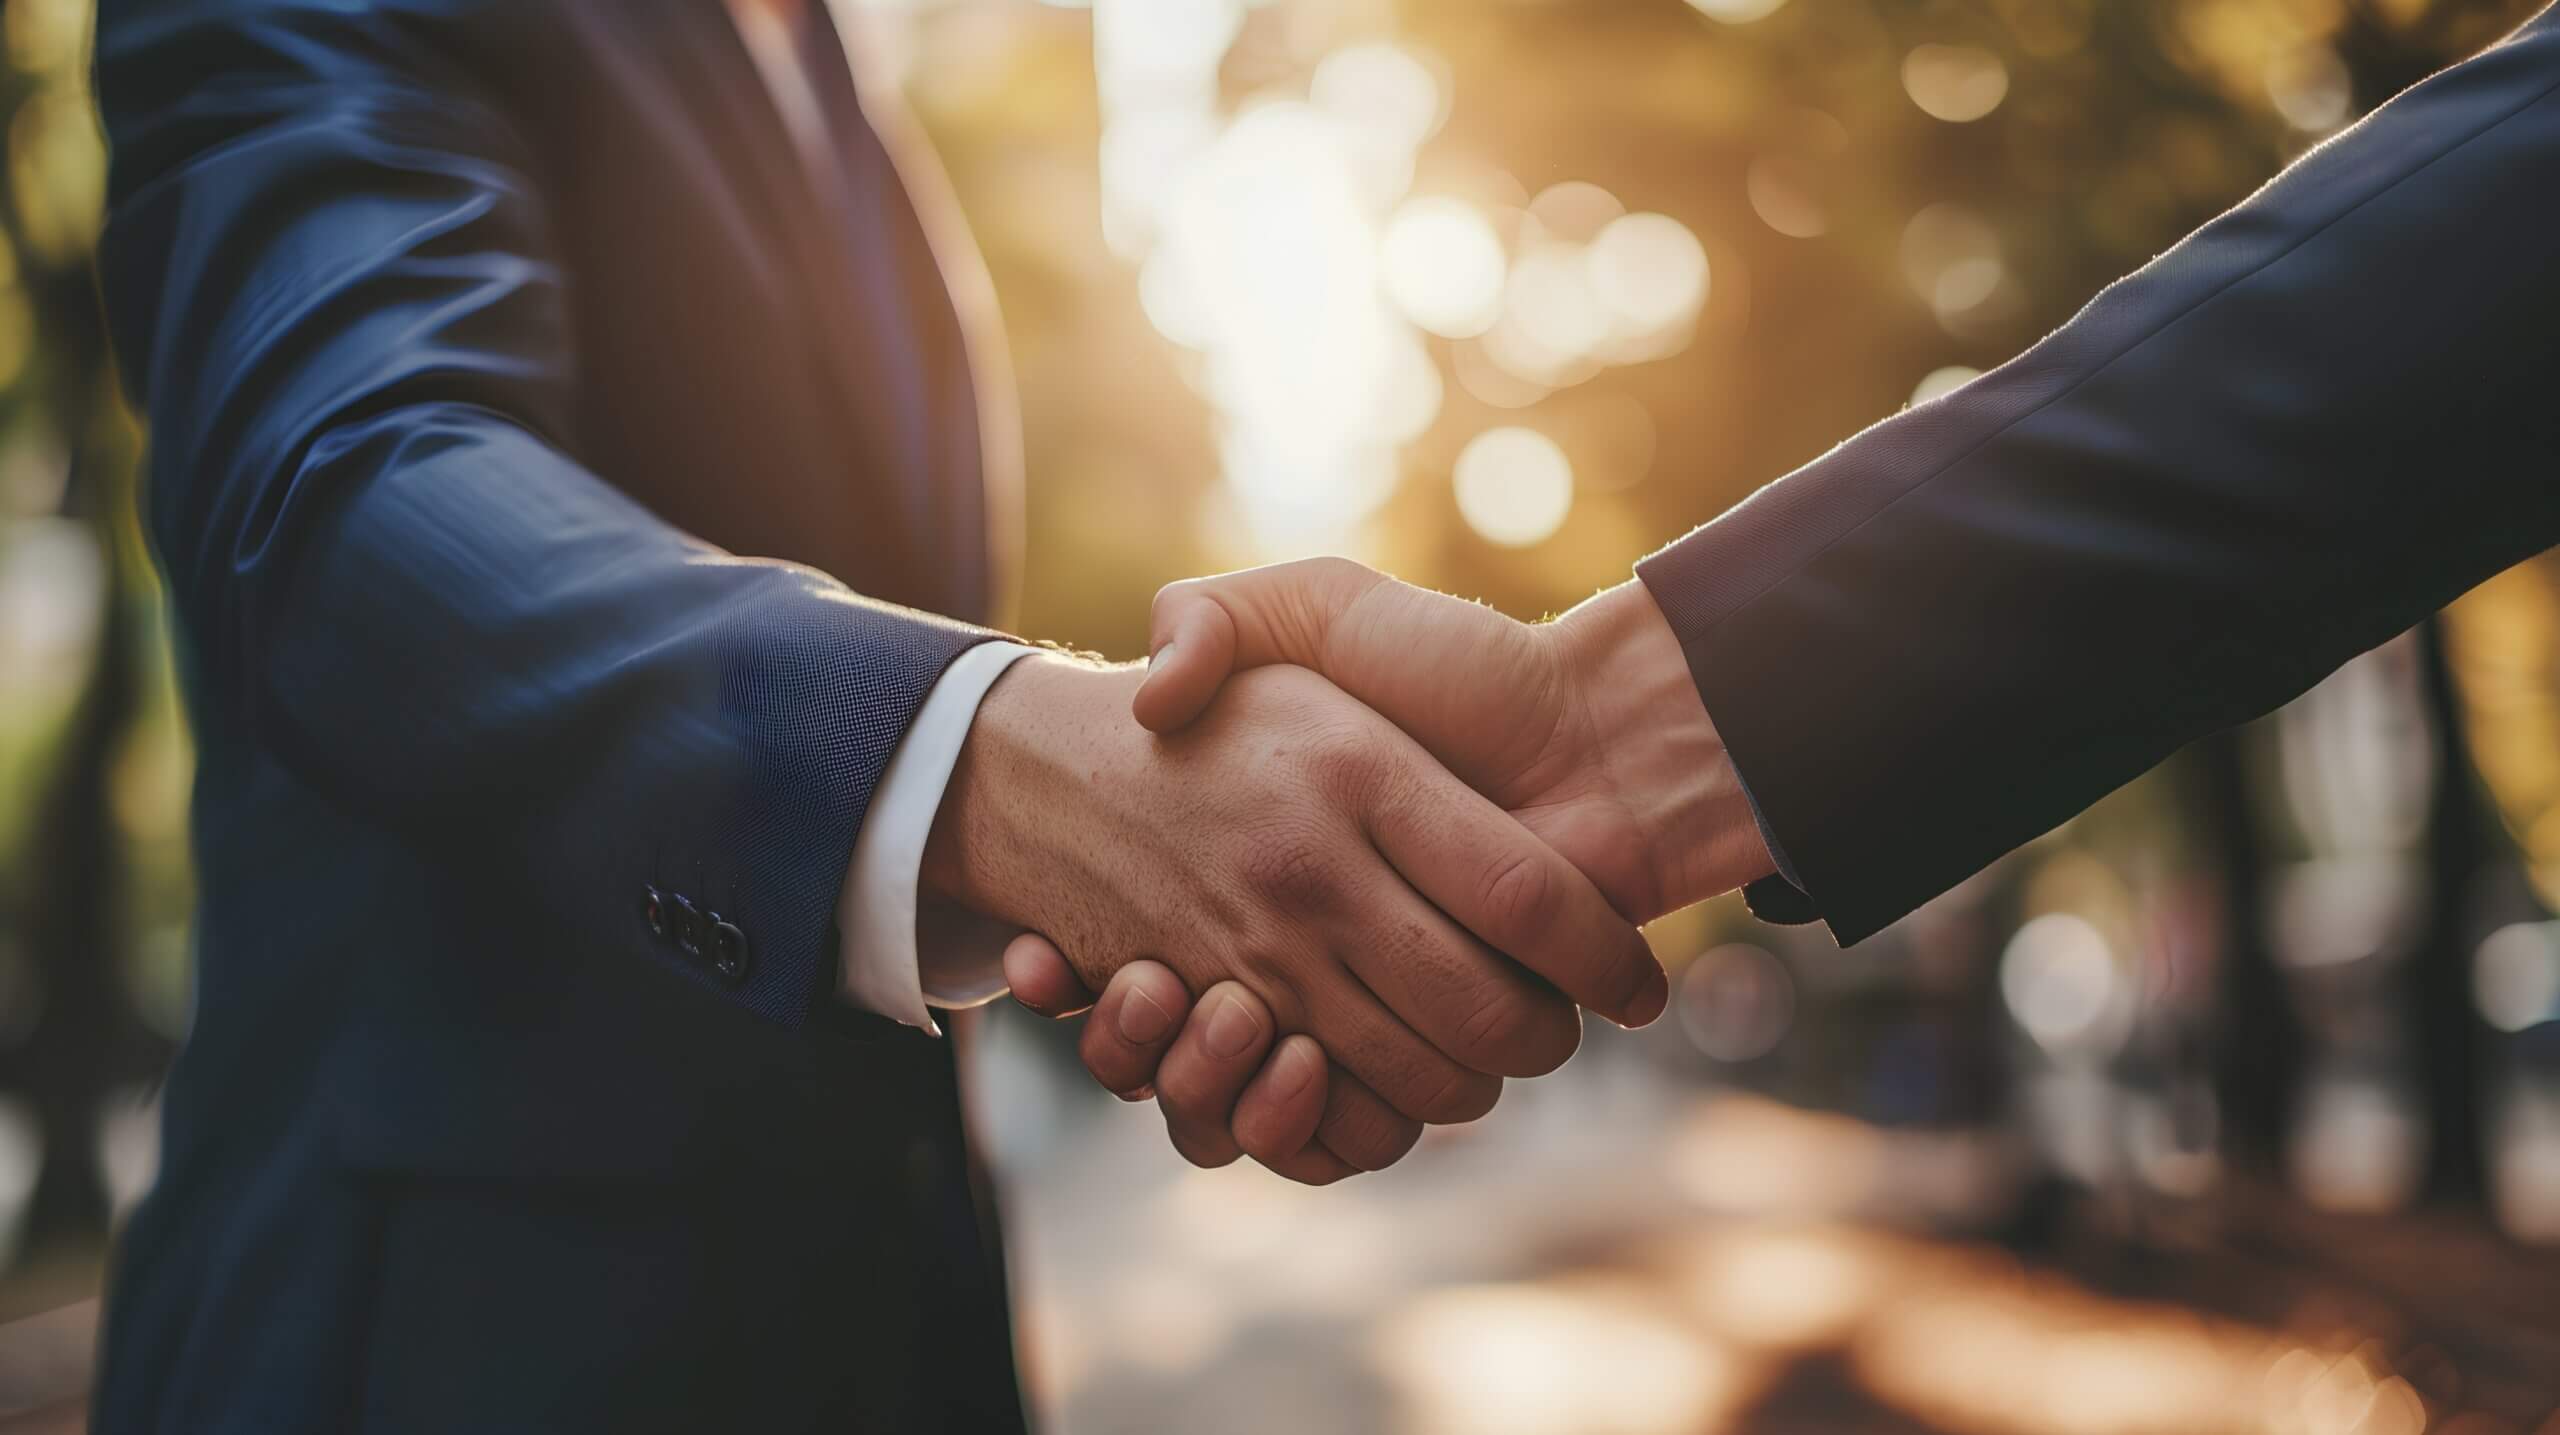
[[72, 935], [2259, 1050], [2445, 1028]]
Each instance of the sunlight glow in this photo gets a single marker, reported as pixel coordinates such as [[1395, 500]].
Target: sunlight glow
[[1549, 1360], [1444, 267], [1278, 242], [1573, 212], [1262, 245], [1514, 486], [1649, 274]]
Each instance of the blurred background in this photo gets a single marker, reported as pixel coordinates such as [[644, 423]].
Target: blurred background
[[2234, 1106]]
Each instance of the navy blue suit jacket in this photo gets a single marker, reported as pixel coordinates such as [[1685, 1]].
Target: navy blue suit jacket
[[2320, 417], [540, 456]]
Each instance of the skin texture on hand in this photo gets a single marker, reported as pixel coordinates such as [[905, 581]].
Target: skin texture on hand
[[1588, 729], [1293, 842]]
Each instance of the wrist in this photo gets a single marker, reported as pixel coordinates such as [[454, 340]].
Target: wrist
[[1043, 733], [1654, 737]]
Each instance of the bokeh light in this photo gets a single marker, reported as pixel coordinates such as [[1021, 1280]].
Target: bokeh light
[[1737, 12], [2062, 984], [1955, 83], [1573, 212], [2515, 979], [1736, 1002], [2309, 86], [1951, 257], [2359, 1144], [1514, 486], [1524, 1360], [1942, 381], [1444, 266], [1556, 306], [1783, 193], [1649, 274], [1388, 103]]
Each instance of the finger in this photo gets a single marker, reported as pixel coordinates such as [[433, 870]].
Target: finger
[[1193, 655], [1414, 1078], [1314, 1166], [1276, 1117], [1360, 1128], [1495, 878], [1203, 629], [1126, 1037], [1218, 1052], [1480, 1008], [1041, 978]]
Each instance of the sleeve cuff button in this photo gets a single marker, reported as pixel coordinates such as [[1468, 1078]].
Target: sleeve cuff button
[[729, 954]]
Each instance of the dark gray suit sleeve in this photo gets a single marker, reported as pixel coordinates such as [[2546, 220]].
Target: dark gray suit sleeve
[[2319, 418]]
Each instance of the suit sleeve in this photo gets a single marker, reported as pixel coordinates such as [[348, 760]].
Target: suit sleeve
[[331, 282], [2319, 418]]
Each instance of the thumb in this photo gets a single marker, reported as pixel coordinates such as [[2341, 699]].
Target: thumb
[[1042, 979], [1205, 629]]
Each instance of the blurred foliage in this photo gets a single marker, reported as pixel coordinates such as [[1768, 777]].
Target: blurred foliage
[[2122, 127], [95, 886]]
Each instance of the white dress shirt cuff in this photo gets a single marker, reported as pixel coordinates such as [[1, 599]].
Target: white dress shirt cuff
[[901, 954]]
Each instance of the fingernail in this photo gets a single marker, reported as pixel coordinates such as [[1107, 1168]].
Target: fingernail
[[1232, 1028], [1650, 1001], [1142, 1021], [1158, 655], [1136, 1093], [1297, 1075]]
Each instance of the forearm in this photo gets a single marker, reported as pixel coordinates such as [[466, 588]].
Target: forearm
[[494, 653], [2284, 441], [331, 278]]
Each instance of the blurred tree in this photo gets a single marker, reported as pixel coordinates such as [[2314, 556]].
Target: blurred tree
[[88, 676]]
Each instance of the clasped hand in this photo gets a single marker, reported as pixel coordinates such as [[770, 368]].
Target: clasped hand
[[1392, 839]]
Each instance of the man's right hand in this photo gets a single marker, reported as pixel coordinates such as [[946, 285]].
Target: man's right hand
[[1295, 843]]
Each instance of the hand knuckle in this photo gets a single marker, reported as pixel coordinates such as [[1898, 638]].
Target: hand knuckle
[[1293, 872], [1181, 1101], [1521, 894], [1208, 1153], [1633, 970], [1345, 764], [1520, 1033], [1453, 1096], [1282, 985], [1266, 1140], [1368, 1136], [1105, 1061]]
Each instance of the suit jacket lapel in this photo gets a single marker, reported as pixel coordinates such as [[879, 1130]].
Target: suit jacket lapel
[[752, 137], [863, 275], [932, 385]]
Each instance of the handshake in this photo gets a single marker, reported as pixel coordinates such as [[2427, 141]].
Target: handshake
[[1391, 841]]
